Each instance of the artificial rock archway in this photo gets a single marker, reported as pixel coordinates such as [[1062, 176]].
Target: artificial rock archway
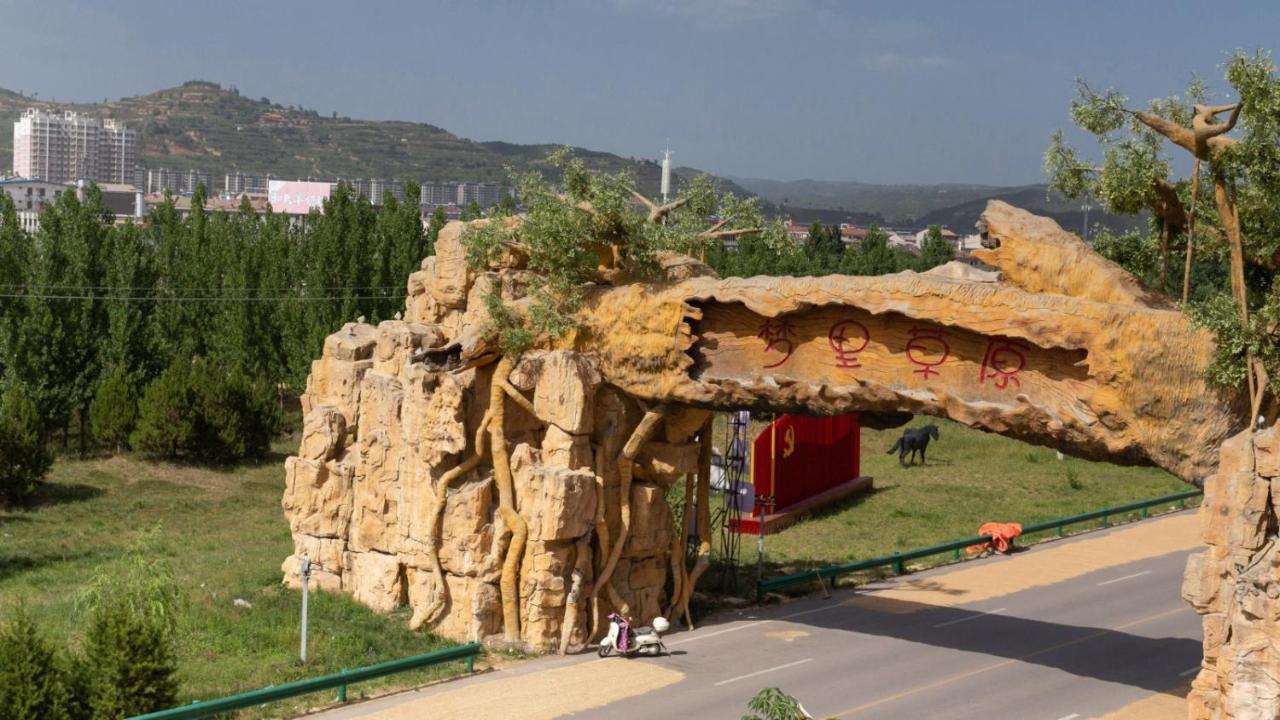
[[392, 493]]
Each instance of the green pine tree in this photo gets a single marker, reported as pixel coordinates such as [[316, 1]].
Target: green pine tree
[[24, 454], [32, 681], [114, 410]]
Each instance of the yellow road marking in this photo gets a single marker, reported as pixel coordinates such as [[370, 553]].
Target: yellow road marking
[[1004, 663]]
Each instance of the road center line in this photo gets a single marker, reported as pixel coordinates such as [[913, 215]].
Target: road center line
[[746, 624], [967, 618], [762, 672], [1072, 716], [1191, 671], [1126, 577]]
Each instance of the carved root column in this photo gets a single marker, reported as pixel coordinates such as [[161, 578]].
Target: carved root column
[[703, 563], [506, 503], [1235, 584], [624, 461]]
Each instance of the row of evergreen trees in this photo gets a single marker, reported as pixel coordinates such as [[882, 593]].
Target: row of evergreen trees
[[825, 253], [180, 335], [228, 299]]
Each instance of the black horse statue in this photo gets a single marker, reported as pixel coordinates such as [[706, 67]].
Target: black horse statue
[[914, 440]]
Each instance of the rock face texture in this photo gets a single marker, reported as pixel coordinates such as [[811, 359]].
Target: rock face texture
[[1235, 583], [533, 522]]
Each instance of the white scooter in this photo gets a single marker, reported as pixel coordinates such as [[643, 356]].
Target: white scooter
[[629, 642]]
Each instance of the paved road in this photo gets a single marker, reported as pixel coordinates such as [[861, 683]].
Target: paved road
[[1074, 649]]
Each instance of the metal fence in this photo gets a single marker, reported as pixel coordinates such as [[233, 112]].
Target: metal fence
[[339, 680], [898, 560]]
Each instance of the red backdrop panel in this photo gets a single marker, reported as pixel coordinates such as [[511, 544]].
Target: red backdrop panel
[[797, 457]]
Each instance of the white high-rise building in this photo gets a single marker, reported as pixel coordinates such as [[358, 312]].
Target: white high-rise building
[[71, 146]]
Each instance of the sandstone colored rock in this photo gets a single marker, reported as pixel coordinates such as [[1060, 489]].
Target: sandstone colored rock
[[1058, 347]]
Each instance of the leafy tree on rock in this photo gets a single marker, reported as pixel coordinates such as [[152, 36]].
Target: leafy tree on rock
[[1241, 222], [595, 230]]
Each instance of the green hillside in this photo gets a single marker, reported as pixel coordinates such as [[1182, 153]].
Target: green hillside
[[954, 205], [204, 126]]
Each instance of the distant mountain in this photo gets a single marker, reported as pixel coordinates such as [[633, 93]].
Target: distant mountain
[[893, 204], [201, 125], [956, 206]]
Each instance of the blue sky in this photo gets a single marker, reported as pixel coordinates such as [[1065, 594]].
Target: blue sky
[[887, 92]]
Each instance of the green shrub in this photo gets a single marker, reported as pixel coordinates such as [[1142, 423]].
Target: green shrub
[[773, 704], [114, 410], [131, 662], [235, 417], [31, 682], [199, 410], [24, 456], [165, 415]]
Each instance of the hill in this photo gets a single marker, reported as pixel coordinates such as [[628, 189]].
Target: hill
[[954, 205], [204, 126]]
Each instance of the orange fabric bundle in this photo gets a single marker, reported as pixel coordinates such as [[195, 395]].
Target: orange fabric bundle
[[1002, 535]]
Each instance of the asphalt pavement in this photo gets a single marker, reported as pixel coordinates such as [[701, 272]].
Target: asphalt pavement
[[1074, 649]]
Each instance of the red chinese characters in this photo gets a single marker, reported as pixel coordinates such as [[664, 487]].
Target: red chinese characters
[[1003, 361], [778, 335], [848, 338], [927, 348]]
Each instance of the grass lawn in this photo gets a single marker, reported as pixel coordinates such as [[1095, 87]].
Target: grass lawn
[[225, 536], [972, 477]]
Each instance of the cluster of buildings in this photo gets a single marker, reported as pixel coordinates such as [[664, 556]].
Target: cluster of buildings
[[908, 239], [57, 152]]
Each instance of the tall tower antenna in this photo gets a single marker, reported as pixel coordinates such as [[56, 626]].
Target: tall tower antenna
[[666, 172]]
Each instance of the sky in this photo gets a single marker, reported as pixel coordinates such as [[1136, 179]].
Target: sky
[[882, 92]]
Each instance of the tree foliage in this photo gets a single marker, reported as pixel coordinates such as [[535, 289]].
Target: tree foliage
[[31, 675], [86, 300], [1222, 211], [114, 410], [597, 229], [24, 456], [773, 704]]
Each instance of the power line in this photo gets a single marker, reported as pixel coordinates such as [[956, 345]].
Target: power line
[[158, 288], [212, 298]]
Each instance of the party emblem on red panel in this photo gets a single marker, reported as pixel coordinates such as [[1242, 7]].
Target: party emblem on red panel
[[777, 334], [927, 348], [848, 338], [1005, 358]]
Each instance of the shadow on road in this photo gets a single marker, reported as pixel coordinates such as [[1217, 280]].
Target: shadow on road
[[1107, 654]]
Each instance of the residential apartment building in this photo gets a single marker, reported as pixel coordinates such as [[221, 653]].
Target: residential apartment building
[[179, 182], [72, 146]]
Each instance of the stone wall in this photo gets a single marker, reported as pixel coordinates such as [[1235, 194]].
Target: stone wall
[[1235, 584], [395, 501], [382, 427]]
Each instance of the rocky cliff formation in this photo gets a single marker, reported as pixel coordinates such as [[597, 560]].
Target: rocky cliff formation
[[526, 497]]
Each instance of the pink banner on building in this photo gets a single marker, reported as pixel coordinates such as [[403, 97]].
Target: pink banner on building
[[296, 197]]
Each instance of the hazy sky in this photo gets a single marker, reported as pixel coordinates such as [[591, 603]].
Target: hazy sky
[[893, 92]]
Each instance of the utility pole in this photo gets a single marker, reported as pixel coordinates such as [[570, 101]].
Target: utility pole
[[1086, 207], [306, 576]]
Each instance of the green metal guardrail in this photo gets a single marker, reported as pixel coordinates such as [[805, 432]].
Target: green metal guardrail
[[898, 560], [340, 680]]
